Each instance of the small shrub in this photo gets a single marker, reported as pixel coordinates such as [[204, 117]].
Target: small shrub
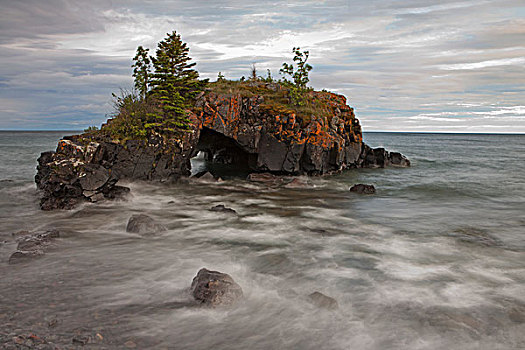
[[91, 129]]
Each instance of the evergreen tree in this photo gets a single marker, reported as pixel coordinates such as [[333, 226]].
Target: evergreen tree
[[174, 83], [142, 71]]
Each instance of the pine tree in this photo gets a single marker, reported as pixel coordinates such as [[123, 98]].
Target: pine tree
[[142, 71], [174, 83]]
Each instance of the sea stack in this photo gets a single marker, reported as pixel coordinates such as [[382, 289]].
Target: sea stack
[[246, 129]]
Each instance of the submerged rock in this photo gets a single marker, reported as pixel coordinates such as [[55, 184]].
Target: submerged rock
[[213, 288], [144, 225], [265, 178], [21, 256], [205, 176], [285, 181], [221, 208], [272, 263], [323, 301], [476, 236], [32, 245], [38, 237], [363, 189], [299, 182]]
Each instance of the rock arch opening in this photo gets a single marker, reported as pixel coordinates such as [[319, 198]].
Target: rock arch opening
[[222, 156]]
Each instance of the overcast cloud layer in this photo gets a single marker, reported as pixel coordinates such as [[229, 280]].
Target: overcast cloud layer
[[417, 65]]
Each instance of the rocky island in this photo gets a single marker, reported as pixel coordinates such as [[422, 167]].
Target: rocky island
[[259, 124]]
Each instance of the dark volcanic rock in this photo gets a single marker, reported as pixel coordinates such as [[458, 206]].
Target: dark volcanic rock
[[380, 158], [222, 209], [143, 224], [363, 189], [213, 288], [116, 192], [86, 168], [323, 301]]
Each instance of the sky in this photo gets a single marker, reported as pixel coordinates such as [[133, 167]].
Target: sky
[[415, 65]]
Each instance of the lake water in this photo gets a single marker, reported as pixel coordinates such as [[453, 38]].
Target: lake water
[[434, 260]]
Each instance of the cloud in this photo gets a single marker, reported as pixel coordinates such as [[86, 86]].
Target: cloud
[[411, 66], [518, 61]]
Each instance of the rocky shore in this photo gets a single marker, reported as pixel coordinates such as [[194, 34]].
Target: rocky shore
[[232, 129]]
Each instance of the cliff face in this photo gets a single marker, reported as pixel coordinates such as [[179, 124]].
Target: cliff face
[[276, 140], [244, 131]]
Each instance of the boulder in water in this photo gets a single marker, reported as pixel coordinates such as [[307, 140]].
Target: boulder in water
[[31, 245], [363, 189], [265, 178], [205, 176], [272, 180], [36, 239], [213, 288], [143, 224], [222, 209], [23, 255], [381, 158], [323, 301], [299, 182]]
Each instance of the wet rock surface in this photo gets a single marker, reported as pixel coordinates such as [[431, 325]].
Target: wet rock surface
[[32, 245], [272, 180], [213, 288], [476, 236], [323, 301], [144, 225], [205, 176], [266, 178], [222, 209], [86, 168], [381, 158], [363, 189]]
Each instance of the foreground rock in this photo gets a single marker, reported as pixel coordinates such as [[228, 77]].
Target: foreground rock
[[245, 132], [144, 225], [222, 209], [323, 301], [213, 288], [32, 245], [363, 189]]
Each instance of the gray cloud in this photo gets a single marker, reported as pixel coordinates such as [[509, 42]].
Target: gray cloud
[[419, 65]]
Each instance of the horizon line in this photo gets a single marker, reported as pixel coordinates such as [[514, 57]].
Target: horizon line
[[370, 131]]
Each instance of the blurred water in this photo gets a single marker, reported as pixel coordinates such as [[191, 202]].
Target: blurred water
[[434, 260]]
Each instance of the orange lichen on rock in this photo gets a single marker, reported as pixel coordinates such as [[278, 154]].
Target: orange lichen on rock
[[325, 122]]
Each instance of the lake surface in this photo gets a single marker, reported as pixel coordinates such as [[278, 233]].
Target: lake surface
[[434, 260]]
